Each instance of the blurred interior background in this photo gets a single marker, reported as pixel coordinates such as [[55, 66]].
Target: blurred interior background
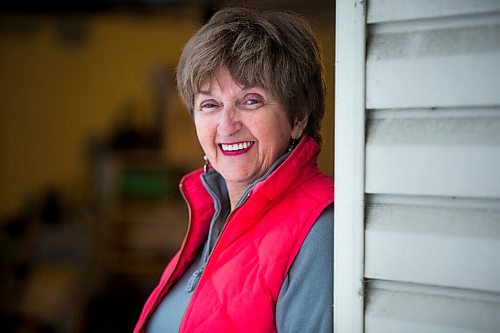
[[93, 141]]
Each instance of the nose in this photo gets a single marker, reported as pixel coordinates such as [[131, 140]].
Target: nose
[[229, 122]]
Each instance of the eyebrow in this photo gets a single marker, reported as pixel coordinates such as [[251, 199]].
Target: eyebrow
[[204, 92]]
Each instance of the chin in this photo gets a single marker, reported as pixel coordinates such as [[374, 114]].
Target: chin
[[235, 178]]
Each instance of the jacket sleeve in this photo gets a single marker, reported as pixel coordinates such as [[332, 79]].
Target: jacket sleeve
[[305, 301]]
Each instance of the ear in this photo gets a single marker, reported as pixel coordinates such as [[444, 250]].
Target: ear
[[298, 127]]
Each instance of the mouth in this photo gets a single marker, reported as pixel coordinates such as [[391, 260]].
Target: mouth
[[236, 148]]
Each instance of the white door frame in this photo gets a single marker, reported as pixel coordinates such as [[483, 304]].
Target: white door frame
[[349, 166]]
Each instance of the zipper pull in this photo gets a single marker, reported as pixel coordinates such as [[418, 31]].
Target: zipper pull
[[193, 281], [245, 198]]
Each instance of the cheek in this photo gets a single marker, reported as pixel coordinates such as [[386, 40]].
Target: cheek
[[201, 131], [281, 129], [204, 132], [275, 137]]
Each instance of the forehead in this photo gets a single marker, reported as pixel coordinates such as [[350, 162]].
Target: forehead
[[222, 82]]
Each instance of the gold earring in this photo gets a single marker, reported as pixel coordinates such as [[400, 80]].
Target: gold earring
[[206, 164], [292, 144]]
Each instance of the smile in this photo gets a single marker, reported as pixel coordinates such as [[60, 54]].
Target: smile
[[236, 148]]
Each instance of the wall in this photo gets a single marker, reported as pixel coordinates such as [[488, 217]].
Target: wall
[[55, 93]]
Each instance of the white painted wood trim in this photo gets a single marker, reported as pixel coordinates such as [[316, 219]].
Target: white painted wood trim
[[349, 166]]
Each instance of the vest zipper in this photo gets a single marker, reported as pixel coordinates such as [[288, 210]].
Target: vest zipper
[[226, 222]]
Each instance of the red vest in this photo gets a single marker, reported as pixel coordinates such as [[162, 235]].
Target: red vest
[[239, 286]]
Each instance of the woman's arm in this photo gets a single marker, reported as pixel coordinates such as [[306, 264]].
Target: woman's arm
[[305, 302]]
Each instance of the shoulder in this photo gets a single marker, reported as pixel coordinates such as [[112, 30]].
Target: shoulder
[[319, 240], [317, 187]]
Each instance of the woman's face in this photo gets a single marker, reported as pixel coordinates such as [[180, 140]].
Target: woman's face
[[242, 130]]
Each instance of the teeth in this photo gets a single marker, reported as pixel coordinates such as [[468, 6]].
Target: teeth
[[236, 146]]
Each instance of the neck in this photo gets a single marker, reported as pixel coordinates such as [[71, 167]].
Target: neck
[[235, 192]]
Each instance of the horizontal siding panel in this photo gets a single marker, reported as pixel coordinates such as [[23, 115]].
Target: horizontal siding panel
[[436, 67], [397, 10], [397, 308], [434, 156], [453, 244]]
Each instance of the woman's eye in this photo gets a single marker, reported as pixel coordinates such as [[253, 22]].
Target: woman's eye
[[207, 106], [252, 103]]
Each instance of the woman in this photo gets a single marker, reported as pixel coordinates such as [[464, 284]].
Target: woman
[[258, 253]]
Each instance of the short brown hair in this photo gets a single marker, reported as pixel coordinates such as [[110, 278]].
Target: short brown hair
[[270, 49]]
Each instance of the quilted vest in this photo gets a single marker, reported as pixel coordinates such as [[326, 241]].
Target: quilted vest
[[239, 287]]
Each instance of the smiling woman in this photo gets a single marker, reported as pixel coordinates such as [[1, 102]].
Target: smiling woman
[[258, 253]]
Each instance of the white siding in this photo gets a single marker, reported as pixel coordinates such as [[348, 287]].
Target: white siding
[[405, 308], [431, 171], [405, 10], [435, 62], [441, 242], [441, 152]]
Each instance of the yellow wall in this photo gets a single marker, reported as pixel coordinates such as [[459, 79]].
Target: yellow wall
[[54, 95]]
